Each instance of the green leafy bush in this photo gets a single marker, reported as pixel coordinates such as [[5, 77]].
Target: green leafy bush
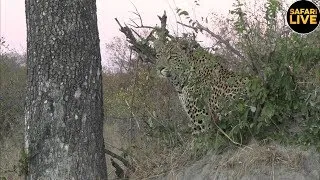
[[283, 91]]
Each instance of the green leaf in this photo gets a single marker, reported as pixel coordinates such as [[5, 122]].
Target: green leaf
[[268, 110]]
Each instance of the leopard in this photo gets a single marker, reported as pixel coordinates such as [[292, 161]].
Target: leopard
[[203, 84]]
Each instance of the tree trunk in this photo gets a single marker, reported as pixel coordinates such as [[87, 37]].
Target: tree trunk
[[63, 110]]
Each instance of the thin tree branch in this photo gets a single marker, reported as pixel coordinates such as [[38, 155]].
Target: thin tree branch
[[124, 161], [138, 14], [219, 38], [147, 53]]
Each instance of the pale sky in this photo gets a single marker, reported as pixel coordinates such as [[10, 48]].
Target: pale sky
[[13, 26]]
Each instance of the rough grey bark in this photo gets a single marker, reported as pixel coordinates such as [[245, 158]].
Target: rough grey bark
[[63, 112]]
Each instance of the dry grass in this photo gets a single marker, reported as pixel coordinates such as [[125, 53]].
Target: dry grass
[[149, 156], [248, 159], [10, 149], [155, 159], [254, 160]]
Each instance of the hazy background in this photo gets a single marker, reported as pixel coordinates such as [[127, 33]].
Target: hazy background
[[13, 26]]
